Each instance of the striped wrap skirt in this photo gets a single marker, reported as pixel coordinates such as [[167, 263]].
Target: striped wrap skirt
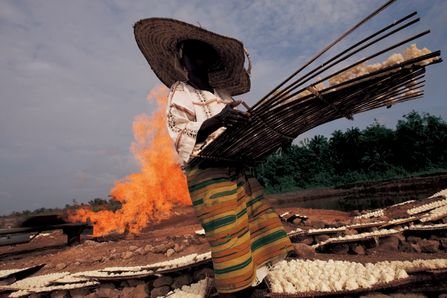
[[243, 230]]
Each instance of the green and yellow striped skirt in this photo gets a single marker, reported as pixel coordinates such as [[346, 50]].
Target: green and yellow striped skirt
[[242, 228]]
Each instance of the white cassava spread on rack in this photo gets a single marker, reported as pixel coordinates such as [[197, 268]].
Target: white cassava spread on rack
[[180, 262], [442, 226], [427, 207], [360, 236], [307, 276], [397, 221], [326, 230], [442, 193], [98, 274], [195, 290], [67, 281], [38, 281], [371, 214], [435, 214], [47, 289], [330, 90], [361, 225]]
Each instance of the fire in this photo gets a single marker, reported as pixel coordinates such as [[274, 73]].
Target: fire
[[149, 195]]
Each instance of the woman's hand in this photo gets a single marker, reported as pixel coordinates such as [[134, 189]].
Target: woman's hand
[[230, 117]]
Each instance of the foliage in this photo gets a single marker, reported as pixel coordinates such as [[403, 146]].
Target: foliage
[[417, 145]]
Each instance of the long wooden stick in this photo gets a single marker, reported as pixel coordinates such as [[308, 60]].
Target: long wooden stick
[[347, 53], [325, 49]]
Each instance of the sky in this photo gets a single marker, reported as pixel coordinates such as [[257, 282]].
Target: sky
[[72, 79]]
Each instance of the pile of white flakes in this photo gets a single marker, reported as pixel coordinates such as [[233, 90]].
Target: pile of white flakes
[[195, 290], [298, 276]]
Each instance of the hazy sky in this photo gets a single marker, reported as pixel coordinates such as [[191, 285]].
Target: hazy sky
[[72, 79]]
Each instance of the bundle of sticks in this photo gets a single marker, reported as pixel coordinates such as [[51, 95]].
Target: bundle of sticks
[[299, 104]]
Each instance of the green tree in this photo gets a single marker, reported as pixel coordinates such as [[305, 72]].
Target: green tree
[[416, 144], [377, 146], [420, 140], [346, 150]]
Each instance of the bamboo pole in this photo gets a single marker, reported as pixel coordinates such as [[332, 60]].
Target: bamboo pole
[[329, 46]]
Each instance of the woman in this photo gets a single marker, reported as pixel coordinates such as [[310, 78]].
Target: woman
[[203, 71]]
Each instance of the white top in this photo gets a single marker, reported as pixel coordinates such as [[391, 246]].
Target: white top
[[187, 109]]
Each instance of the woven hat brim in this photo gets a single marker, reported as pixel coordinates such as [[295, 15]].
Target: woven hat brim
[[158, 38]]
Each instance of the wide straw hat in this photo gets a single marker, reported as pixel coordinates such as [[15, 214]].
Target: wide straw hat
[[158, 40]]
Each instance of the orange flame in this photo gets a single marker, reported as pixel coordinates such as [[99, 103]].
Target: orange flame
[[149, 195]]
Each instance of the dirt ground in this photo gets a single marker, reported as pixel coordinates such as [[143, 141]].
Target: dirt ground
[[178, 232], [176, 237], [51, 248]]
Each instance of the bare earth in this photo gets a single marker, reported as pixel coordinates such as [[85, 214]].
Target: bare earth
[[52, 250], [177, 237]]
